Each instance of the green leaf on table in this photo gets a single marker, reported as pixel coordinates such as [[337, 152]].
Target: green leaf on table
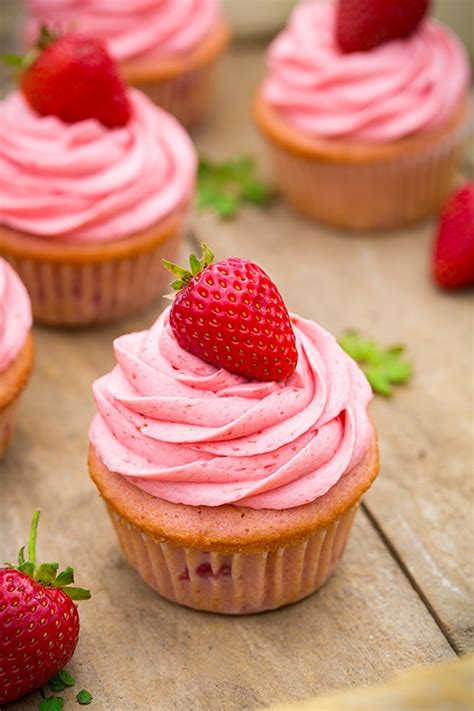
[[256, 192], [60, 680], [223, 187], [383, 367], [66, 678], [51, 703], [84, 697]]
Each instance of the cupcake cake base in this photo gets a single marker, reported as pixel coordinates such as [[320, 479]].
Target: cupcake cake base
[[12, 383], [233, 559], [83, 285], [364, 186], [181, 85]]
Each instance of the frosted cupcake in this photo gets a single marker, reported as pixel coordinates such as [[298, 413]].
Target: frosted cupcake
[[88, 208], [365, 139], [230, 493], [167, 48], [16, 349]]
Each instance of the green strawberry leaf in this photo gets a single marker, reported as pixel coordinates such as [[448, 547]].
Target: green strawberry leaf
[[84, 697], [64, 578], [226, 205], [46, 573], [223, 187], [13, 60], [21, 556], [27, 567], [77, 594], [55, 684], [51, 703], [383, 367], [61, 680], [195, 264], [66, 678], [256, 192]]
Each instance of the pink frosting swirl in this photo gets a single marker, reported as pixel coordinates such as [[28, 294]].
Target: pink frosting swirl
[[155, 28], [190, 433], [86, 183], [397, 89], [15, 315]]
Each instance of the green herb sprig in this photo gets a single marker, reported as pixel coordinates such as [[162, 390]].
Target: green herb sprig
[[223, 187], [383, 367], [58, 683]]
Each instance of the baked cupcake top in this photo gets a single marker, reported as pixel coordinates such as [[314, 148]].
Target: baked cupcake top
[[400, 88], [15, 315], [86, 183], [191, 432], [155, 28]]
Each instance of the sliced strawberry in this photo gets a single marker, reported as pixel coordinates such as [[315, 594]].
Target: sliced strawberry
[[74, 78], [362, 25], [453, 259], [232, 315]]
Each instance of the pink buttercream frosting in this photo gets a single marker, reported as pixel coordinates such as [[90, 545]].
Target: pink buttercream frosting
[[85, 183], [134, 28], [397, 89], [15, 315], [189, 433]]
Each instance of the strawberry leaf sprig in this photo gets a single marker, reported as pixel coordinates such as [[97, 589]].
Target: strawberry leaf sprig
[[184, 276], [223, 187], [45, 37], [47, 573], [383, 367]]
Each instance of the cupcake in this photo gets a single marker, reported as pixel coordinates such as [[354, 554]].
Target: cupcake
[[95, 187], [363, 139], [16, 349], [232, 445], [168, 48]]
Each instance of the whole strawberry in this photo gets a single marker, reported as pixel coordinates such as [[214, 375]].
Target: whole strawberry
[[39, 623], [231, 315], [453, 259], [362, 25], [74, 78]]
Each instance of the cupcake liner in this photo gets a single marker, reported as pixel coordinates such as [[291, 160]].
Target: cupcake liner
[[240, 583], [182, 85], [395, 189], [8, 418], [95, 288], [187, 96]]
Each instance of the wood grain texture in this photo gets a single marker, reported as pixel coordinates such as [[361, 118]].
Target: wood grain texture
[[139, 652]]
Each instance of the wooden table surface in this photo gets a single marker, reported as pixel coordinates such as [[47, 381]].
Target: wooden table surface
[[403, 593]]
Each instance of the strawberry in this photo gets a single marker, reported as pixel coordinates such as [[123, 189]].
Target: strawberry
[[74, 78], [453, 259], [362, 25], [39, 623], [232, 315]]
